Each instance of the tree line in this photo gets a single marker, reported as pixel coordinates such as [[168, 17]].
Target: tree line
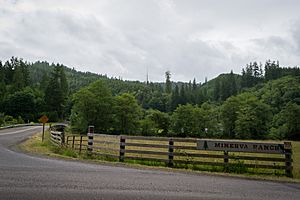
[[25, 100], [261, 103], [249, 115]]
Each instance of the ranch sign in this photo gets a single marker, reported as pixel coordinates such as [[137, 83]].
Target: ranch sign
[[236, 146]]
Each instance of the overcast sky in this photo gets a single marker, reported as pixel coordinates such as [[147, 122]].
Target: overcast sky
[[191, 38]]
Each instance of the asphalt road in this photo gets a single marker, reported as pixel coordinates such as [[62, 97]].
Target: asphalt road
[[27, 177]]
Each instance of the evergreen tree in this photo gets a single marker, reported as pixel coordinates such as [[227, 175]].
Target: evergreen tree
[[168, 82], [225, 90], [56, 93], [194, 85], [2, 73], [193, 96], [2, 83], [217, 90], [175, 98], [9, 72], [18, 78], [256, 71], [272, 70], [182, 95], [44, 82], [25, 72], [232, 84], [190, 86]]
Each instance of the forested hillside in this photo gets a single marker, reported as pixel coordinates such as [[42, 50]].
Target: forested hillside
[[263, 102]]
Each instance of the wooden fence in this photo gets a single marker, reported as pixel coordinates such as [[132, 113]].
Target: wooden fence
[[57, 134], [183, 151], [57, 138]]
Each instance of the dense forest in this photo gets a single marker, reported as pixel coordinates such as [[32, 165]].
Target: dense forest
[[263, 102]]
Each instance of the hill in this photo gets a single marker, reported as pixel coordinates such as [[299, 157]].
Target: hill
[[254, 105]]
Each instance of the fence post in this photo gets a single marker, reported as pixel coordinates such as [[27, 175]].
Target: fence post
[[122, 148], [73, 142], [80, 144], [171, 152], [68, 140], [288, 159], [62, 137], [226, 157], [90, 139]]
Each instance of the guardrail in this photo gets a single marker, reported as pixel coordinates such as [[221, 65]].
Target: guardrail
[[18, 125], [187, 151]]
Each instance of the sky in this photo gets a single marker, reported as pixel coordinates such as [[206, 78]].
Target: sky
[[127, 38]]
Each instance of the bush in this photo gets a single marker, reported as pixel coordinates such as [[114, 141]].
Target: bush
[[238, 168], [2, 120]]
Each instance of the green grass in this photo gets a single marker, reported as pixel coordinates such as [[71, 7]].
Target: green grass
[[35, 145], [296, 158]]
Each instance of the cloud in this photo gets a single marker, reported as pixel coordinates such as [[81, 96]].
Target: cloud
[[296, 35], [123, 38]]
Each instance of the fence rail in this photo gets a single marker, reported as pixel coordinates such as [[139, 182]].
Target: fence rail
[[56, 138], [174, 151]]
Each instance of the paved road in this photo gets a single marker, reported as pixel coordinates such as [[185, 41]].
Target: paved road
[[27, 177]]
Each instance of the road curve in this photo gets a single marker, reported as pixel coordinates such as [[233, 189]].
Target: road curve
[[27, 177]]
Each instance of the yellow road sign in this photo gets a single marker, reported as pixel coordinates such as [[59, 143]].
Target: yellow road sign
[[43, 119]]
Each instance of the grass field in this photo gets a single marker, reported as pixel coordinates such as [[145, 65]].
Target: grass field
[[296, 158], [111, 146]]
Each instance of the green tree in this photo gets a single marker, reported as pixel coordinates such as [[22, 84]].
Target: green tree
[[18, 78], [9, 72], [168, 82], [21, 103], [182, 95], [147, 127], [161, 121], [188, 120], [174, 98], [217, 90], [278, 93], [210, 117], [229, 112], [92, 106], [183, 120], [2, 83], [127, 114], [194, 85], [158, 101], [253, 118], [286, 124], [232, 84], [56, 92], [2, 121]]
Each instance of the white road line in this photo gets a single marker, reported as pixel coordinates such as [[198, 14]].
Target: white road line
[[10, 133]]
